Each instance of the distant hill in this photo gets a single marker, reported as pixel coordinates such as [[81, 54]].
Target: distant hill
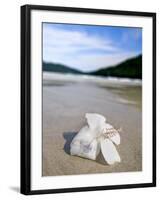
[[55, 67], [131, 68]]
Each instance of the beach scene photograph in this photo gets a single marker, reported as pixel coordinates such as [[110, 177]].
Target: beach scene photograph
[[91, 99]]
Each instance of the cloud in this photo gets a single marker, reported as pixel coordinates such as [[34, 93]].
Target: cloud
[[80, 49], [74, 40]]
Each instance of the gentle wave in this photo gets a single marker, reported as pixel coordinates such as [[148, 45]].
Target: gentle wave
[[49, 76]]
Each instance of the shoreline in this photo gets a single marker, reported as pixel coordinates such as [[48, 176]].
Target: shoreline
[[50, 76]]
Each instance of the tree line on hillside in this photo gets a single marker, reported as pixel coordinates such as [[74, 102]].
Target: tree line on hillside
[[130, 68]]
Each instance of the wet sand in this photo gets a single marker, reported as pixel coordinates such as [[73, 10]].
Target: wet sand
[[65, 103]]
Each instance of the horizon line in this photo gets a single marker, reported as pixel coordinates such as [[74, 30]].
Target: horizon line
[[99, 68]]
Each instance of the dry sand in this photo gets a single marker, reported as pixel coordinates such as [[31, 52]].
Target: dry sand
[[65, 103]]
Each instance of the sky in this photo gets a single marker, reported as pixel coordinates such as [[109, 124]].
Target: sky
[[90, 47]]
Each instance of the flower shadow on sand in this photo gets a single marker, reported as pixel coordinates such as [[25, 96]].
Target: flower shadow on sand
[[68, 136]]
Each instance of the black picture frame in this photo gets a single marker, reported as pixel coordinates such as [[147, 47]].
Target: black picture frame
[[26, 98]]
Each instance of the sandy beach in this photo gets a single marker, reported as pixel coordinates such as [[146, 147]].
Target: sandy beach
[[66, 99]]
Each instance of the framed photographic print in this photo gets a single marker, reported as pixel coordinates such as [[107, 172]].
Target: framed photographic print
[[88, 99]]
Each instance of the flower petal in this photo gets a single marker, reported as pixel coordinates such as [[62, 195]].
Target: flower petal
[[109, 151]]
